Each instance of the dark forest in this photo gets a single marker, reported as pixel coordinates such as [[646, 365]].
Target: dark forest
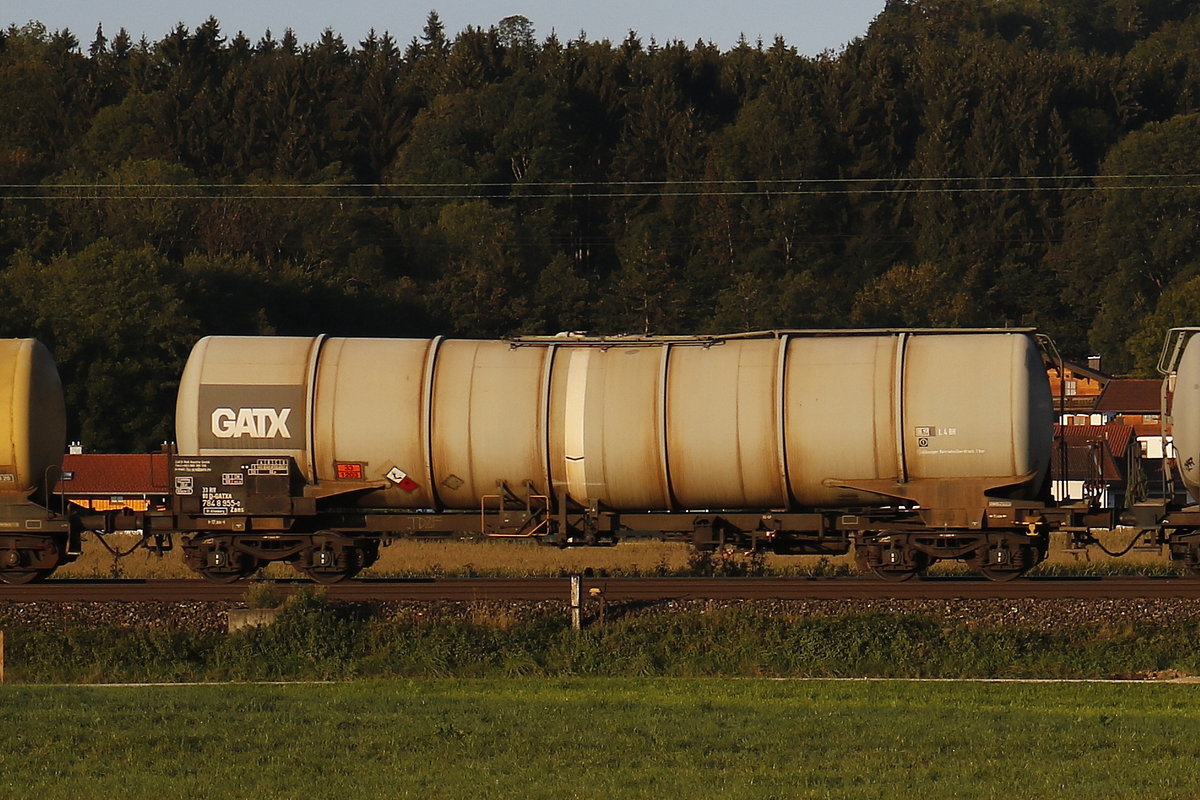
[[965, 163]]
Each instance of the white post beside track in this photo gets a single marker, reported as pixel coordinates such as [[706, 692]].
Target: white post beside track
[[576, 602]]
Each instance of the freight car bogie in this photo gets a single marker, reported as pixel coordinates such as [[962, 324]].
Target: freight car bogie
[[221, 559], [27, 559], [1185, 547], [331, 557], [893, 558], [325, 556], [1008, 556], [31, 556], [998, 556]]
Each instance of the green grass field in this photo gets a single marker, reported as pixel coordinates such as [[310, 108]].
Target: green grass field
[[602, 738]]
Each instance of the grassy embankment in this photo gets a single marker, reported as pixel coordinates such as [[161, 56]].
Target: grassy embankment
[[410, 558], [314, 639], [602, 738]]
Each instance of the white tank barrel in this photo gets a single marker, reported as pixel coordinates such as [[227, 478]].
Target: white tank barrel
[[1185, 408], [780, 420]]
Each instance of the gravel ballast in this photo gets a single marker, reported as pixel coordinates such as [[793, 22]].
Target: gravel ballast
[[1041, 615]]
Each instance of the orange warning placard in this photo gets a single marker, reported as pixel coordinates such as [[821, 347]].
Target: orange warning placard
[[349, 471]]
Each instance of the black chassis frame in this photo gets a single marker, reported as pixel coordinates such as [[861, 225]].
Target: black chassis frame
[[278, 515]]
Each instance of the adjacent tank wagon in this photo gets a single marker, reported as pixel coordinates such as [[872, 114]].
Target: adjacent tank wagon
[[33, 425], [1179, 525], [917, 444]]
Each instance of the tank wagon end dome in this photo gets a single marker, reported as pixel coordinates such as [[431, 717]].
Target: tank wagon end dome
[[1185, 404], [32, 415]]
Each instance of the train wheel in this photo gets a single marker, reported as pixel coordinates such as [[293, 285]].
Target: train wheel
[[895, 574], [327, 577], [218, 576], [233, 567], [1001, 574], [899, 563], [18, 577]]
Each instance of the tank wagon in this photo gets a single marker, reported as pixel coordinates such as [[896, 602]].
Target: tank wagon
[[1179, 527], [33, 431], [916, 445]]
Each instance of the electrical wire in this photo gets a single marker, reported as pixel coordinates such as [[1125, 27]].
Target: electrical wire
[[1118, 553], [116, 552], [550, 190]]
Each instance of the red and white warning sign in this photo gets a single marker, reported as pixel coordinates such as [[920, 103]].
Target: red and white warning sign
[[401, 479]]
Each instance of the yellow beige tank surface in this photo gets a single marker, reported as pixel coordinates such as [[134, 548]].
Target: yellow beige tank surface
[[372, 404], [723, 413], [777, 420], [488, 407], [32, 416], [606, 426]]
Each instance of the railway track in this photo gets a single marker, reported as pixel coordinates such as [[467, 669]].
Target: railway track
[[618, 589]]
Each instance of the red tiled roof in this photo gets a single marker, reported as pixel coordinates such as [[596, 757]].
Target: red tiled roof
[[114, 474], [1085, 444], [1131, 395]]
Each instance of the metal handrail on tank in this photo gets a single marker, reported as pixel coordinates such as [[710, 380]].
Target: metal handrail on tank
[[604, 342], [1173, 346], [62, 496], [1050, 350], [1169, 453], [645, 340]]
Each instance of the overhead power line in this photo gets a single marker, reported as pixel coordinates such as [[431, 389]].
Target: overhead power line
[[546, 190]]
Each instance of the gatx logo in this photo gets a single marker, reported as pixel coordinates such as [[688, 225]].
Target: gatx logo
[[258, 423]]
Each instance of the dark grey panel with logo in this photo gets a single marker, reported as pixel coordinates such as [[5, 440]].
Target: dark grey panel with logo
[[239, 417]]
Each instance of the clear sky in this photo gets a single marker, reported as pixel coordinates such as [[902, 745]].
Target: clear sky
[[811, 26]]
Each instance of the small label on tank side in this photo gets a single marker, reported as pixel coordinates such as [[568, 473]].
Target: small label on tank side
[[269, 466], [348, 472], [7, 477], [929, 431]]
